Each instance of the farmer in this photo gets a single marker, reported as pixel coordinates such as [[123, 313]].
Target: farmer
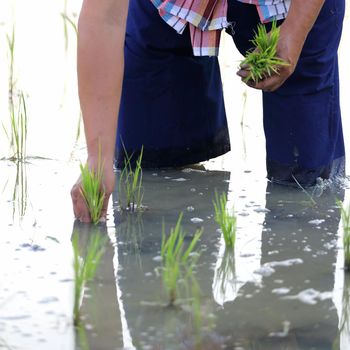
[[163, 108]]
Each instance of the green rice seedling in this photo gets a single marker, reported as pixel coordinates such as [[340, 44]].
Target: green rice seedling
[[262, 61], [311, 201], [85, 266], [12, 83], [177, 261], [226, 221], [345, 217], [67, 21], [17, 135], [130, 183], [91, 190], [245, 96], [17, 131], [78, 132]]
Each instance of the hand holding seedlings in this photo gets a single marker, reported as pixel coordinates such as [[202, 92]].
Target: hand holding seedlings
[[104, 175], [273, 58]]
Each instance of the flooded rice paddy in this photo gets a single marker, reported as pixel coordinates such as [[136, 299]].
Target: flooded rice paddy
[[283, 286]]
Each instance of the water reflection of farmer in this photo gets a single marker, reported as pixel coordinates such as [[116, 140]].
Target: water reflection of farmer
[[289, 301], [172, 102]]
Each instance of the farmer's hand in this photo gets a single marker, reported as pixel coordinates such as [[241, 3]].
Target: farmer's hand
[[288, 49], [80, 209]]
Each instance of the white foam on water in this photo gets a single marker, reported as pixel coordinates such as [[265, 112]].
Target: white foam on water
[[310, 296], [197, 220], [316, 221]]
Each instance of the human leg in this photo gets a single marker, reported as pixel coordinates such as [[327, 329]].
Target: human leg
[[302, 120], [172, 102]]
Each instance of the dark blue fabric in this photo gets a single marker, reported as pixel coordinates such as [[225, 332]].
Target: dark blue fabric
[[172, 103], [302, 119]]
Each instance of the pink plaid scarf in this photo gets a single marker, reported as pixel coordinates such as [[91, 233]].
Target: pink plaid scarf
[[206, 19]]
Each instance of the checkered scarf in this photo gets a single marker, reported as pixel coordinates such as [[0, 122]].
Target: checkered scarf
[[206, 19]]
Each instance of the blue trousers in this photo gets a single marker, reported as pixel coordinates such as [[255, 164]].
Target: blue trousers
[[302, 120], [172, 103]]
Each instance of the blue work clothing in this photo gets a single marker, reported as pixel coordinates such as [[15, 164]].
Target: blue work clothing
[[172, 103], [302, 119]]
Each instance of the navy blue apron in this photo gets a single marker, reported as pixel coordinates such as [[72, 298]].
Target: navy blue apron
[[302, 120], [172, 103]]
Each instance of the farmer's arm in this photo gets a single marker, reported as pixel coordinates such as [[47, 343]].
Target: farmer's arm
[[293, 32], [100, 68]]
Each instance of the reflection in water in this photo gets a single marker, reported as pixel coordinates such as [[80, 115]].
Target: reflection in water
[[99, 313], [344, 319], [225, 284], [341, 295], [20, 191], [130, 226], [234, 270], [81, 334], [293, 306], [86, 262], [151, 325], [278, 296]]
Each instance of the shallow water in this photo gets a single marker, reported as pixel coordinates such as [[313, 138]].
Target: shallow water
[[283, 287]]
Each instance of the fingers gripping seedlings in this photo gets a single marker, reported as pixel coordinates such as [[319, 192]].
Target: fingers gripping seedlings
[[178, 261], [92, 191], [261, 61], [226, 221]]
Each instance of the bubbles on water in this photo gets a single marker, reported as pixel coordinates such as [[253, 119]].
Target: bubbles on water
[[288, 262], [196, 220], [265, 271], [262, 210], [281, 291], [180, 179], [310, 296], [15, 318], [316, 221], [48, 300], [269, 268], [33, 247], [284, 333]]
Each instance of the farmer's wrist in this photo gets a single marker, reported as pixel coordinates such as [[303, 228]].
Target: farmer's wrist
[[95, 159]]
